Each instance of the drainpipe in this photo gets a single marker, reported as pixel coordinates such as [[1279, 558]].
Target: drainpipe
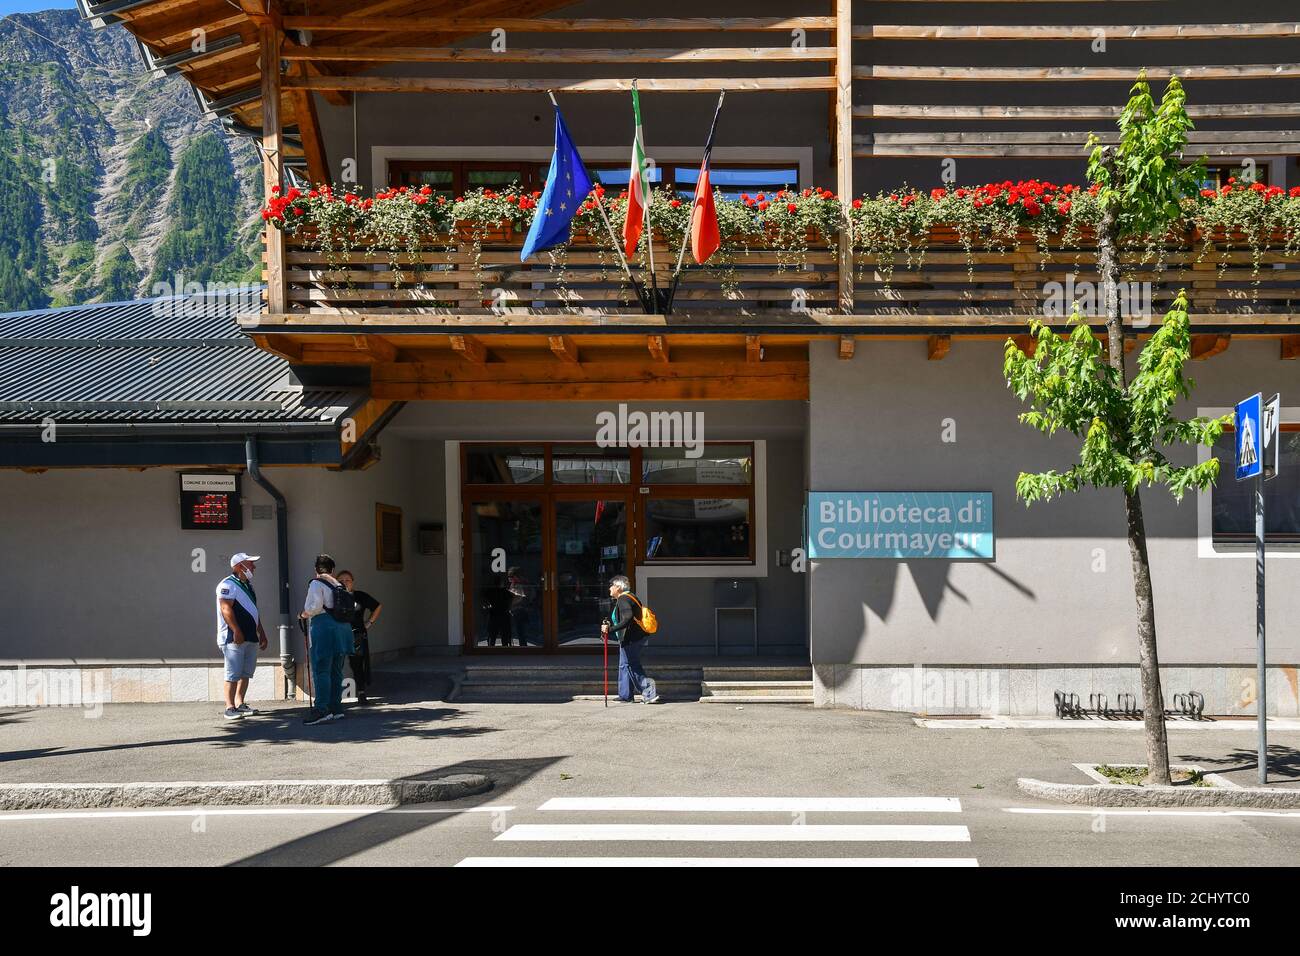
[[282, 558]]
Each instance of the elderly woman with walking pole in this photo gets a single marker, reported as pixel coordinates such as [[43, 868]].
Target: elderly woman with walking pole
[[625, 625]]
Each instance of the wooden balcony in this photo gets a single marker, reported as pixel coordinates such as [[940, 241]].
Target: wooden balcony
[[447, 282]]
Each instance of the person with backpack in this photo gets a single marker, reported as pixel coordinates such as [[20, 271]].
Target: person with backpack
[[329, 609], [629, 623]]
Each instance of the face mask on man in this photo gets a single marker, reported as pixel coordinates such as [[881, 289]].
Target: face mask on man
[[248, 573]]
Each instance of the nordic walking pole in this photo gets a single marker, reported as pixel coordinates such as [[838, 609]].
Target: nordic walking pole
[[605, 638]]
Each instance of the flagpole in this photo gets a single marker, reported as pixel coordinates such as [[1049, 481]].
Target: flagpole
[[649, 230], [600, 206], [681, 255]]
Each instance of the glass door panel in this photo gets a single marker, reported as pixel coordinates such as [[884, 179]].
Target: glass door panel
[[507, 573], [591, 542]]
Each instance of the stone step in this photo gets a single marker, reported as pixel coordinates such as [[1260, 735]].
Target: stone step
[[760, 672], [757, 688], [760, 699]]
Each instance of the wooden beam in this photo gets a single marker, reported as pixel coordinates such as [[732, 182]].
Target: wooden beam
[[272, 163], [983, 74], [1161, 31], [469, 348], [398, 54], [548, 381], [658, 346], [848, 345], [1130, 343], [1053, 137], [287, 349], [439, 84], [1208, 346], [313, 144], [1026, 343], [358, 426], [915, 111], [753, 348], [563, 347], [844, 148], [473, 25], [376, 346], [1290, 348], [937, 346]]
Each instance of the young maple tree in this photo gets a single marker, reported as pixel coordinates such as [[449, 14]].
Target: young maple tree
[[1077, 384]]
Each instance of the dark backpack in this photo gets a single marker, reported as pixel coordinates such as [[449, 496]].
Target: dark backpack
[[345, 604]]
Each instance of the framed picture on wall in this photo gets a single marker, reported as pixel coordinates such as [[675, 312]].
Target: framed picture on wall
[[388, 537]]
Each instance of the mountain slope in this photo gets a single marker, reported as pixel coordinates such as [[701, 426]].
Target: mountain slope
[[110, 180]]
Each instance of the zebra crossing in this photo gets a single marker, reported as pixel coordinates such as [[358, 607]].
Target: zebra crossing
[[730, 827]]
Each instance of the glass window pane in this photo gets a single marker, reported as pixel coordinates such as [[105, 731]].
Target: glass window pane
[[733, 182], [1234, 501], [507, 605], [719, 465], [686, 529], [491, 177], [505, 465], [618, 176], [590, 465], [591, 547]]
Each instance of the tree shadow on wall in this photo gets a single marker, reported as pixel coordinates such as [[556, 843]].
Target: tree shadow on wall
[[932, 580]]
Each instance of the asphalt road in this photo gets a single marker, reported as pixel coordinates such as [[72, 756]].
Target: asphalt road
[[705, 775]]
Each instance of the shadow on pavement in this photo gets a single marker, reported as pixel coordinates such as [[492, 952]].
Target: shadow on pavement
[[358, 834]]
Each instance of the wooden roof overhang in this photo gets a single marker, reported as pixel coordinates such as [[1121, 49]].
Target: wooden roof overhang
[[690, 357]]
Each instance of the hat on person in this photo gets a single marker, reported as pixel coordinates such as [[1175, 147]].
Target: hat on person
[[239, 557]]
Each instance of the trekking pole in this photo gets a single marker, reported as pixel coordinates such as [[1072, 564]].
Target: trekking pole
[[605, 639]]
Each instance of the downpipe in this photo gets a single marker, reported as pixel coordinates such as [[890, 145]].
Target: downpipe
[[287, 664]]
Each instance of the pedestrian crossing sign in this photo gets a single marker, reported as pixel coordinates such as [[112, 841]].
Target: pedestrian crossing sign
[[1248, 433]]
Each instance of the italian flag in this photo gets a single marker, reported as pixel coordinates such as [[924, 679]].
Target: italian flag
[[638, 187]]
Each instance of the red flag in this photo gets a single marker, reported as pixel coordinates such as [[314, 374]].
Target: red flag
[[705, 238]]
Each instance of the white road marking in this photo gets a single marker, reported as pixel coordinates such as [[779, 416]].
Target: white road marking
[[758, 804], [1153, 812], [710, 861], [735, 833], [16, 817]]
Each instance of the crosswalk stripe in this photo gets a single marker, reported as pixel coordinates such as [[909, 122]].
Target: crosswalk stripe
[[757, 804], [736, 833], [1153, 812], [714, 861]]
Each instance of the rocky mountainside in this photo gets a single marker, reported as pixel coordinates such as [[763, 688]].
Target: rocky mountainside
[[112, 184]]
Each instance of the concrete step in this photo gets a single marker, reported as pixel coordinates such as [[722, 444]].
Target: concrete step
[[760, 699], [755, 688], [760, 672]]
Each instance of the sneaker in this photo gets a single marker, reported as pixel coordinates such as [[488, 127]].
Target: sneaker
[[316, 718], [362, 700], [338, 716], [656, 699], [232, 714], [247, 711]]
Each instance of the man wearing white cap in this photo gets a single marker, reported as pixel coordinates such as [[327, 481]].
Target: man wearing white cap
[[239, 631]]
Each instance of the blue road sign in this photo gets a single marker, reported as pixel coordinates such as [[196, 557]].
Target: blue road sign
[[1249, 438]]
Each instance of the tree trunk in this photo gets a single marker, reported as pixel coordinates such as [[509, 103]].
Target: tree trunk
[[1153, 699]]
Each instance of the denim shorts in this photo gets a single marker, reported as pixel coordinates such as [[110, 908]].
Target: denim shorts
[[241, 659]]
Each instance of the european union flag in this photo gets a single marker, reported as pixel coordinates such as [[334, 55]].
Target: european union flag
[[567, 185]]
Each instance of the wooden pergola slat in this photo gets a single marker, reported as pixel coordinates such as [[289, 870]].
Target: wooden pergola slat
[[985, 74], [407, 24], [913, 111], [440, 84], [555, 54], [1159, 31]]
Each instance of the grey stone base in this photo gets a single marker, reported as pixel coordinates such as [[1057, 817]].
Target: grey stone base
[[243, 793], [1025, 690], [1122, 795]]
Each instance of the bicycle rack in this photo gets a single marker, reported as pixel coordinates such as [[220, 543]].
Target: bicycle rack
[[1190, 704]]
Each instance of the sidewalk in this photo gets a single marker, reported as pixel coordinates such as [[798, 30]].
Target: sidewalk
[[736, 749]]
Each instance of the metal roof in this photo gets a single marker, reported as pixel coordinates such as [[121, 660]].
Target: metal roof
[[174, 359]]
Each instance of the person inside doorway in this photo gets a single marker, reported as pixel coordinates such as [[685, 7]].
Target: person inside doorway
[[364, 617], [497, 601], [624, 626], [520, 603]]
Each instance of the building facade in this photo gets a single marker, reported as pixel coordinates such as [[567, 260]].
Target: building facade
[[488, 455]]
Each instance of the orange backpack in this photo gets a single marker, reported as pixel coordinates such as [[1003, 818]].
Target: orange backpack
[[648, 622]]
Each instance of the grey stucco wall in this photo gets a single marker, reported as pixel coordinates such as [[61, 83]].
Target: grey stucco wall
[[875, 425], [105, 570]]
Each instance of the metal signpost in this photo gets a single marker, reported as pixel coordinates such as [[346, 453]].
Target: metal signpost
[[1256, 424]]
